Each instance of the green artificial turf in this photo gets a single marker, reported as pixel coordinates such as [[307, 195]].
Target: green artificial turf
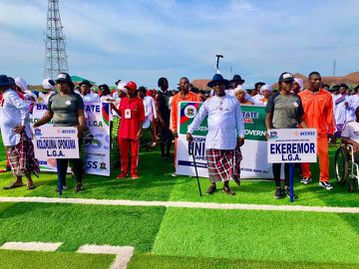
[[145, 261], [77, 225], [260, 235], [10, 259], [156, 183]]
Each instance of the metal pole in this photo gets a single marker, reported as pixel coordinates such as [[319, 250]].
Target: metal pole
[[291, 182], [195, 168]]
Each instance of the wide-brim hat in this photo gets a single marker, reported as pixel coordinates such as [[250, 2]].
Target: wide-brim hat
[[86, 82], [103, 87], [217, 78], [237, 78], [4, 81]]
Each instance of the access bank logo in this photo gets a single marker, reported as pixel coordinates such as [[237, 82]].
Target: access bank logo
[[68, 131], [307, 133], [273, 134], [37, 132]]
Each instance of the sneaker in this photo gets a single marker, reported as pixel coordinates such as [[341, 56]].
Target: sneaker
[[64, 188], [287, 193], [306, 180], [278, 194], [174, 174], [135, 176], [79, 188], [325, 185]]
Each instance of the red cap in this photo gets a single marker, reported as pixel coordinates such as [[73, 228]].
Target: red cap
[[131, 85]]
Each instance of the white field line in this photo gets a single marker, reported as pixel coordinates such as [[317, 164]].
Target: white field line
[[123, 254], [323, 209], [31, 246]]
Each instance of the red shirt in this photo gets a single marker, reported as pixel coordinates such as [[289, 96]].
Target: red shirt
[[132, 115]]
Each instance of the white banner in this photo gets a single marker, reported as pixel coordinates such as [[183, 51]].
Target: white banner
[[56, 143], [292, 146], [96, 138]]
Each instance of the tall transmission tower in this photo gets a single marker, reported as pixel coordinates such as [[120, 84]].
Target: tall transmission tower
[[55, 43]]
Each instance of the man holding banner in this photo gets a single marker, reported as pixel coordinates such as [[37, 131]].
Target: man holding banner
[[284, 111], [225, 135]]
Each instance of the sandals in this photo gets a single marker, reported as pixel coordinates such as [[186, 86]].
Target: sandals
[[31, 187], [13, 185]]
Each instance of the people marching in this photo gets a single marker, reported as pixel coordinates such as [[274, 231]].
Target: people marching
[[291, 103]]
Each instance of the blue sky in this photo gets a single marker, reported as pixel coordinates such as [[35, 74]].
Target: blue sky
[[143, 40]]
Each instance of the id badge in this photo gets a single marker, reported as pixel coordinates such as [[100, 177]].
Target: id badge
[[127, 113]]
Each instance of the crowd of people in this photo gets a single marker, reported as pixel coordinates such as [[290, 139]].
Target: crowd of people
[[328, 109]]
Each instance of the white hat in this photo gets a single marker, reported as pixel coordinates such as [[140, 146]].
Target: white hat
[[238, 89], [21, 83], [300, 83], [48, 84], [265, 87], [121, 86]]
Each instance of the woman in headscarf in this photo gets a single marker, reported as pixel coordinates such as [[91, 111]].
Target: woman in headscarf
[[297, 85], [265, 91], [240, 94]]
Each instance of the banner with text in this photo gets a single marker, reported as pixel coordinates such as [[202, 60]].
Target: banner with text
[[96, 138], [254, 163], [56, 143], [292, 146]]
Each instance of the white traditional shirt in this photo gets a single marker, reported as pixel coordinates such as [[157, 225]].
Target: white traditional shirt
[[13, 112], [354, 103], [90, 97], [342, 113], [46, 97], [256, 98], [150, 111], [351, 130], [225, 122]]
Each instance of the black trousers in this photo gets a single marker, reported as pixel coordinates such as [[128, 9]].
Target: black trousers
[[62, 165], [276, 174], [166, 138]]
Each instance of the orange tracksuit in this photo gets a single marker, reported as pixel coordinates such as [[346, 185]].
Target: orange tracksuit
[[318, 114], [190, 96]]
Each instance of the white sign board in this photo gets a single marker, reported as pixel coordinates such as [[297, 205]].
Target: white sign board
[[56, 143], [292, 146]]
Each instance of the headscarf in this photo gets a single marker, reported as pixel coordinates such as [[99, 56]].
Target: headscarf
[[300, 83], [121, 86], [238, 89], [21, 83], [265, 87], [48, 84]]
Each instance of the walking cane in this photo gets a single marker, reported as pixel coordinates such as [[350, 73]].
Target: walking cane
[[190, 144]]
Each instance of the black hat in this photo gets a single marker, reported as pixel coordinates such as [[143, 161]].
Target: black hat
[[344, 86], [286, 77], [4, 81], [11, 80], [217, 78], [237, 78], [86, 82], [103, 87], [258, 85]]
